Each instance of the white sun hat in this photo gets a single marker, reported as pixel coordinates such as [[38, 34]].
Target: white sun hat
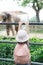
[[22, 36]]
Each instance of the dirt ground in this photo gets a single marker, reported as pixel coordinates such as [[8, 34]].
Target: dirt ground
[[37, 35]]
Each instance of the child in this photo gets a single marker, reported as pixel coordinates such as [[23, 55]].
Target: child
[[21, 51]]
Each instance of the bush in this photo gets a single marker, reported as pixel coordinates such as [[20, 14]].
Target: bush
[[36, 40], [36, 53]]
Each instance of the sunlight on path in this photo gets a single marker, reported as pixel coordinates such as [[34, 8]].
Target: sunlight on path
[[36, 35]]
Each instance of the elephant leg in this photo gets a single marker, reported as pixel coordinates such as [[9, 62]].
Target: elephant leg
[[12, 30], [7, 30], [16, 28]]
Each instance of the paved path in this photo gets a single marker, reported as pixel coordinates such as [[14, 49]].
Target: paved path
[[37, 35]]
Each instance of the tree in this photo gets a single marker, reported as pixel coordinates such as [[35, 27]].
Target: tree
[[37, 6]]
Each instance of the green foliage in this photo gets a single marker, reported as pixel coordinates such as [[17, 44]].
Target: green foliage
[[6, 50], [37, 53], [25, 2], [36, 3], [6, 63], [36, 40]]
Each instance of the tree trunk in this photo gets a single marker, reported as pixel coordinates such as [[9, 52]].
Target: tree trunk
[[37, 16]]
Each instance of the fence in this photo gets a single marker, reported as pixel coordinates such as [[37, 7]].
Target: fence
[[3, 41], [17, 23], [32, 27]]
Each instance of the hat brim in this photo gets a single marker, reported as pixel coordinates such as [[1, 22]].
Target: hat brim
[[23, 40]]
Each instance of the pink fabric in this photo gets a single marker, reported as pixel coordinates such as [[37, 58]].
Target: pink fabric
[[21, 54]]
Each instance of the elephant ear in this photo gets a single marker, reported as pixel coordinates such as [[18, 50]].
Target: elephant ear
[[16, 19], [0, 17], [8, 15], [3, 18]]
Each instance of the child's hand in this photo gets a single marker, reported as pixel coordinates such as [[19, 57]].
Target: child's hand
[[20, 22], [27, 23]]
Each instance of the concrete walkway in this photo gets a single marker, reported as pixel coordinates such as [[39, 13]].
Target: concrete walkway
[[37, 35]]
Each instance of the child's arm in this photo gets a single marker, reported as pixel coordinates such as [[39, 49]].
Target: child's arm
[[20, 25], [27, 27]]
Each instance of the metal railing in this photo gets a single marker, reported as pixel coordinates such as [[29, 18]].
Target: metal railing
[[5, 23], [11, 42], [11, 60]]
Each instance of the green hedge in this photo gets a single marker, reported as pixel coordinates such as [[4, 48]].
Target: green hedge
[[36, 40], [6, 50]]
